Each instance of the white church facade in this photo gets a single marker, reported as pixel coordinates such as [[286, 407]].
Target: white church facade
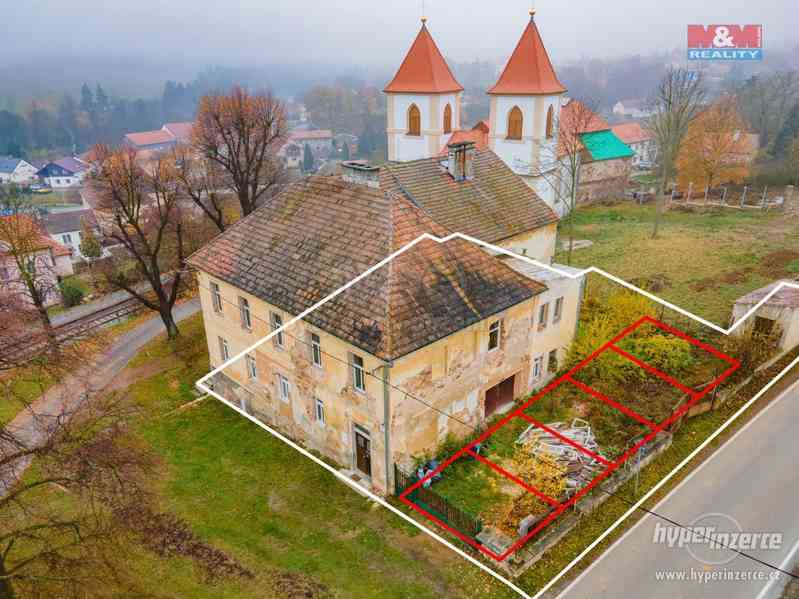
[[424, 111]]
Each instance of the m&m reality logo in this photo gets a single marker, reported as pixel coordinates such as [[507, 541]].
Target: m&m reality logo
[[725, 42]]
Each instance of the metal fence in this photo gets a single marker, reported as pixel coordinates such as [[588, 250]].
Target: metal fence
[[433, 503], [733, 196]]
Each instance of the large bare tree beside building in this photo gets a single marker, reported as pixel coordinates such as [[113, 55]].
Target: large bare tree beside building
[[680, 96], [242, 133], [141, 211], [564, 156], [27, 264]]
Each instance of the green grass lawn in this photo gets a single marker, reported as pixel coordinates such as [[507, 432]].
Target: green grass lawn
[[702, 262], [275, 511]]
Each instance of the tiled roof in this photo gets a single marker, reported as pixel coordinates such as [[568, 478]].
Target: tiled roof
[[180, 131], [149, 138], [495, 205], [477, 134], [529, 70], [9, 164], [67, 220], [322, 232], [573, 114], [25, 229], [424, 70], [787, 297], [631, 133]]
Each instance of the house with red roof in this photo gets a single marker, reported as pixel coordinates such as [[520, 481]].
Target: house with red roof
[[165, 138], [640, 140]]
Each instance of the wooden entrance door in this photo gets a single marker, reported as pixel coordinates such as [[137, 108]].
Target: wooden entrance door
[[499, 395], [363, 452]]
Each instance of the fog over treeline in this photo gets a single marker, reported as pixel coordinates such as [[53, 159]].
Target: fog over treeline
[[52, 46]]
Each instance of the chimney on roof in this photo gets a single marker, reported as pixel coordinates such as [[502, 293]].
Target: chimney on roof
[[360, 172], [460, 160]]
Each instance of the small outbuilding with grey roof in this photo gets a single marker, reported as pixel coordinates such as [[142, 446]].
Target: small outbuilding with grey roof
[[781, 310]]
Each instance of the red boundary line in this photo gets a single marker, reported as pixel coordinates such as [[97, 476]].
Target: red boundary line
[[594, 456], [620, 407], [612, 467], [516, 479], [661, 375]]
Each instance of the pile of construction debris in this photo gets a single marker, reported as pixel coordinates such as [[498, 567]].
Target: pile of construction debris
[[580, 467]]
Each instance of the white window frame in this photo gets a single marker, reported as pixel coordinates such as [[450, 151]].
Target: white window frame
[[252, 367], [557, 313], [224, 349], [283, 388], [319, 412], [543, 316], [316, 350], [216, 297], [538, 367], [276, 322], [495, 327], [66, 238], [358, 374], [244, 313]]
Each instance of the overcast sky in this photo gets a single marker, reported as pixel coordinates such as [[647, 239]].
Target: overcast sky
[[373, 32]]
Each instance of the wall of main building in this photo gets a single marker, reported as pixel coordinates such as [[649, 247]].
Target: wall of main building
[[434, 392]]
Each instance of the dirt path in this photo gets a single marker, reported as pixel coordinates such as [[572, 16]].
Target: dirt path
[[31, 426]]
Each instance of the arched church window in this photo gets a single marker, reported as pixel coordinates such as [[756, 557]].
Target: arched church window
[[448, 119], [515, 122], [414, 120], [550, 123]]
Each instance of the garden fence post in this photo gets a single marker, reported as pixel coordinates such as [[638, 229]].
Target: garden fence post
[[763, 201], [724, 197], [707, 189], [743, 197], [690, 192]]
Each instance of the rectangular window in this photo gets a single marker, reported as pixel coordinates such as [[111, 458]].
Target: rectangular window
[[244, 313], [319, 408], [252, 366], [558, 310], [277, 323], [216, 297], [316, 350], [552, 362], [283, 388], [538, 367], [67, 238], [5, 274], [358, 375], [224, 350], [494, 335], [543, 316]]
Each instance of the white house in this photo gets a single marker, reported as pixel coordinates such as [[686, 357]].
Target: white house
[[66, 228], [63, 173], [16, 170], [633, 108], [640, 140]]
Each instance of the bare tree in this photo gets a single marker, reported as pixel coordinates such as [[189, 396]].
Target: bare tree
[[59, 534], [680, 97], [563, 156], [27, 261], [242, 132], [141, 211], [205, 182]]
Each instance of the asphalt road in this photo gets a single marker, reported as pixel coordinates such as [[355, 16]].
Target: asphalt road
[[753, 481], [32, 425]]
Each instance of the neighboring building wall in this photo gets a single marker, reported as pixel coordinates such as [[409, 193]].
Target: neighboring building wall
[[786, 318], [23, 173], [604, 179], [70, 239], [644, 152], [46, 275], [403, 147], [538, 244]]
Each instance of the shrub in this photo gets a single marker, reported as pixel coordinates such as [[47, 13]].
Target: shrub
[[72, 292]]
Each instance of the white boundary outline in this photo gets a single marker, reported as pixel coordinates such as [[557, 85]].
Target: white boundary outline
[[374, 497]]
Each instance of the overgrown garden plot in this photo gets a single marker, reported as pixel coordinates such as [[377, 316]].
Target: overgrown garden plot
[[544, 478]]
